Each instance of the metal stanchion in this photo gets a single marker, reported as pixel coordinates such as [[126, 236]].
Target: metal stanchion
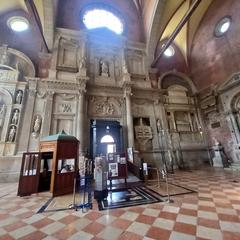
[[164, 173], [73, 205]]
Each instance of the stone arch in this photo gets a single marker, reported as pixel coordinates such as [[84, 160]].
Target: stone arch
[[14, 60], [176, 78]]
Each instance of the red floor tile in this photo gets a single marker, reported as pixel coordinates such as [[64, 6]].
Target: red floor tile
[[185, 228], [34, 236], [227, 217], [130, 236], [208, 223], [145, 219], [158, 233], [69, 219], [65, 233], [42, 223], [94, 228], [121, 223], [189, 212], [231, 236], [168, 215]]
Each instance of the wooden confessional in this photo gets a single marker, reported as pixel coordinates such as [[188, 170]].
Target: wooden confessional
[[53, 168]]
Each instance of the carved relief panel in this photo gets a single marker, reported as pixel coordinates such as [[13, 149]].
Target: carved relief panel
[[105, 106], [64, 113]]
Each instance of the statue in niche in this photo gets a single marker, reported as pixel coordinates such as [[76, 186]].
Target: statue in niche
[[15, 117], [12, 133], [104, 68], [37, 125], [19, 96], [82, 63], [2, 114], [159, 127], [216, 142]]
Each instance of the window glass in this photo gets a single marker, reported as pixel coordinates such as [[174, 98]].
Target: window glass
[[97, 18]]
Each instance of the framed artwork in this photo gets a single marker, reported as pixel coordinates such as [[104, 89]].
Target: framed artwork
[[113, 169], [130, 154]]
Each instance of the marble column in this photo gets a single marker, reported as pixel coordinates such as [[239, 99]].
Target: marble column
[[173, 121], [47, 119], [82, 80], [80, 124], [130, 132], [25, 133]]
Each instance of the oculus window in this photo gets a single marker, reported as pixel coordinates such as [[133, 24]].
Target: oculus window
[[169, 52], [18, 24], [98, 18], [222, 26]]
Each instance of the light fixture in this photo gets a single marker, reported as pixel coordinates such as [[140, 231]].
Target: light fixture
[[222, 26], [18, 24], [169, 52]]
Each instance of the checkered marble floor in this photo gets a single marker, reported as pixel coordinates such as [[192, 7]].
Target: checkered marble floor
[[212, 213]]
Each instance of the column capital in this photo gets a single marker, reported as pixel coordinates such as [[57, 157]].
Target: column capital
[[127, 88], [50, 93], [82, 82], [32, 92]]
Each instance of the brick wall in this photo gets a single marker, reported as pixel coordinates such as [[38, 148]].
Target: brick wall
[[214, 59]]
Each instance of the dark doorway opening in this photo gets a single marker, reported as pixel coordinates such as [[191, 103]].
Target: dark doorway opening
[[106, 137], [45, 171]]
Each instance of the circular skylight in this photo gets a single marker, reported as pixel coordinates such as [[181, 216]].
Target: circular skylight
[[222, 26], [18, 24], [225, 27], [98, 18], [169, 52]]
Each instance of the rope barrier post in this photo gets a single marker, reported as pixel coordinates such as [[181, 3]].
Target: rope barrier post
[[164, 173]]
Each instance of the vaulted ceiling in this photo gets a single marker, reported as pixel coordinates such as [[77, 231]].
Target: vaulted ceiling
[[158, 20]]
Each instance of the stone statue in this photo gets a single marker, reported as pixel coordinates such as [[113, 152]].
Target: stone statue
[[104, 68], [15, 116], [37, 124], [12, 133], [159, 125], [216, 142], [82, 63], [19, 96]]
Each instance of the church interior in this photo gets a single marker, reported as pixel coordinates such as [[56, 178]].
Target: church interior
[[120, 119]]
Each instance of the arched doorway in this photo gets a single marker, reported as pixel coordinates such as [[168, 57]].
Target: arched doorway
[[108, 143], [106, 137]]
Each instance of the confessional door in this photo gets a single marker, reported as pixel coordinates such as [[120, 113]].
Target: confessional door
[[29, 174]]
